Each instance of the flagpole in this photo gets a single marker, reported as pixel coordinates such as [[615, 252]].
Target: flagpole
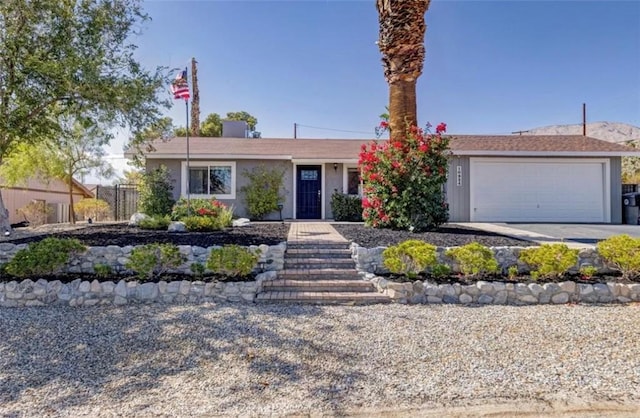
[[186, 105]]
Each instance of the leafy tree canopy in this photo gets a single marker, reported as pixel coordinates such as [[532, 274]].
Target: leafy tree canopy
[[72, 58]]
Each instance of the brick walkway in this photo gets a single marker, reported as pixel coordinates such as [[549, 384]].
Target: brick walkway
[[314, 233]]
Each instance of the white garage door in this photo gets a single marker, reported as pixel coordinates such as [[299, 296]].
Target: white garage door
[[534, 190]]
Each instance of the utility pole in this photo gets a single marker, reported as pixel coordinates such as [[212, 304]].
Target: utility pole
[[295, 130], [584, 119], [195, 101]]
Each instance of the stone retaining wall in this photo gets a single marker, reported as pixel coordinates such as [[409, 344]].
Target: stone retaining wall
[[85, 293], [500, 293]]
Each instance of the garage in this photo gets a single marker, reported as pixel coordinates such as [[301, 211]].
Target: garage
[[539, 190]]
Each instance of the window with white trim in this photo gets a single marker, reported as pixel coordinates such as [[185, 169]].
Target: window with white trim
[[211, 179], [352, 185]]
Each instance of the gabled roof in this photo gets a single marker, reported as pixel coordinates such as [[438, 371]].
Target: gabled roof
[[348, 149]]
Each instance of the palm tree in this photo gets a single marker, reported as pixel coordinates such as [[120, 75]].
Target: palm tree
[[401, 43]]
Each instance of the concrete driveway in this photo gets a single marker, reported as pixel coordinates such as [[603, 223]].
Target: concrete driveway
[[577, 235]]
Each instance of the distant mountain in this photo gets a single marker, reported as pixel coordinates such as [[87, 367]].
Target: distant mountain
[[607, 131]]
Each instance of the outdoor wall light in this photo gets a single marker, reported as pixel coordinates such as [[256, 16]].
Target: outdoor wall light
[[335, 166]]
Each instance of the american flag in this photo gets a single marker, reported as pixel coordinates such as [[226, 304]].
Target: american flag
[[180, 86]]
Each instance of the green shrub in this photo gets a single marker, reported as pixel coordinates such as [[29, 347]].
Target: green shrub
[[201, 224], [155, 196], [474, 259], [588, 271], [44, 257], [623, 253], [513, 272], [550, 260], [232, 260], [103, 270], [262, 193], [155, 222], [440, 270], [153, 260], [96, 209], [410, 257], [197, 269], [346, 207], [197, 207]]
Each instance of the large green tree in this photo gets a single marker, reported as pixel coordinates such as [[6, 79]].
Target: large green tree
[[72, 58], [401, 42], [76, 151]]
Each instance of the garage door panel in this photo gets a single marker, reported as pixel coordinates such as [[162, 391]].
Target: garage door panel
[[529, 191]]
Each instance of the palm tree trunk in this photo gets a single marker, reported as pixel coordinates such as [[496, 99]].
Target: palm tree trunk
[[401, 42], [402, 108]]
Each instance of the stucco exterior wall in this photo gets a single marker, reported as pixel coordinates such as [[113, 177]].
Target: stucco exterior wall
[[175, 168]]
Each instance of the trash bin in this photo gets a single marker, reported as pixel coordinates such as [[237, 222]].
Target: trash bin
[[631, 208]]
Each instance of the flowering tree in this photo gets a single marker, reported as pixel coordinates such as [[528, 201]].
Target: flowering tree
[[403, 180]]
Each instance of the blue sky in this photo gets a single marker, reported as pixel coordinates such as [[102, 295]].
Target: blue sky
[[492, 67]]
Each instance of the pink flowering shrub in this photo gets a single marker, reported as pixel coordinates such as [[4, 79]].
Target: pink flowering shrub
[[404, 180]]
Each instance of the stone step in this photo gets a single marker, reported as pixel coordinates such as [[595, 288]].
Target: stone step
[[318, 252], [324, 298], [318, 286], [319, 263], [329, 245], [319, 274]]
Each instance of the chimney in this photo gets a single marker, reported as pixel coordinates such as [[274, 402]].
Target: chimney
[[235, 129]]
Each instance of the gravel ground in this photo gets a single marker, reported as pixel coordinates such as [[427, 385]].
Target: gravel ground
[[446, 236], [225, 359]]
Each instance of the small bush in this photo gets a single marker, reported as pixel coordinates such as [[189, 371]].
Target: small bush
[[623, 253], [44, 257], [201, 224], [513, 272], [197, 207], [36, 212], [588, 272], [103, 270], [156, 197], [550, 260], [440, 270], [197, 269], [96, 209], [232, 260], [410, 257], [155, 222], [153, 260], [474, 259], [346, 207], [262, 193]]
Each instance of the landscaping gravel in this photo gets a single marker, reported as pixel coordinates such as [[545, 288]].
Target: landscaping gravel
[[204, 360], [446, 236]]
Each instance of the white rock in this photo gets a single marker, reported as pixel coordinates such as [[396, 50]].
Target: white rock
[[177, 226], [241, 222], [136, 218]]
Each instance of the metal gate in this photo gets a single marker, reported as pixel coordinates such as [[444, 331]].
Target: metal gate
[[122, 198]]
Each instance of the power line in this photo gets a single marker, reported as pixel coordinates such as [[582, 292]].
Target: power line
[[333, 129]]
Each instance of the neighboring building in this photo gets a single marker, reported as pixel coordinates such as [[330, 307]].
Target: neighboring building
[[55, 194], [563, 178]]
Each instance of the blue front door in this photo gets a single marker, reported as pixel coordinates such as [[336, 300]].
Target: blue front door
[[308, 194]]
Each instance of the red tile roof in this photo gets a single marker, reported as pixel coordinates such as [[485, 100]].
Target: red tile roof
[[348, 149]]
